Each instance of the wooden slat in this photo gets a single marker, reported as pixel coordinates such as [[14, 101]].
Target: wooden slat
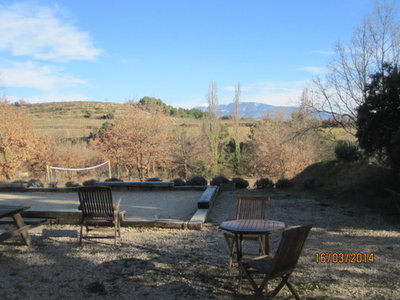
[[252, 226], [96, 201], [251, 207], [97, 207], [9, 210]]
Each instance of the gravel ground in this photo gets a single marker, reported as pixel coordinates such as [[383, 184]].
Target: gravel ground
[[183, 264]]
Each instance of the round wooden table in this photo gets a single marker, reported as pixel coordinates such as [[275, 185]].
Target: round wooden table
[[251, 226]]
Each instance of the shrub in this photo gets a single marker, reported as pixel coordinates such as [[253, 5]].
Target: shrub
[[21, 183], [107, 116], [218, 180], [87, 114], [394, 154], [114, 179], [264, 183], [309, 183], [153, 179], [197, 180], [283, 183], [240, 183], [346, 151], [53, 184], [72, 184], [90, 182], [35, 183], [179, 182]]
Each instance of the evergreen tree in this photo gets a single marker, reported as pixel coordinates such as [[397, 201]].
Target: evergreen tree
[[378, 119]]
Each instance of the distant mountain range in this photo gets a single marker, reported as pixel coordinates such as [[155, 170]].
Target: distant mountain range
[[254, 110]]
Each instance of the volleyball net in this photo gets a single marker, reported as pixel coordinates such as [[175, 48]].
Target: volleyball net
[[59, 174]]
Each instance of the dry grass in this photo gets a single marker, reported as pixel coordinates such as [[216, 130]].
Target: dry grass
[[66, 119], [182, 264], [66, 128]]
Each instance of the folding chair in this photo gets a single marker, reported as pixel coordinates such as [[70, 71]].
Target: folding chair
[[248, 207], [281, 265], [97, 208]]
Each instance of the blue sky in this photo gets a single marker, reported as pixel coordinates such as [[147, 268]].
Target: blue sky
[[99, 50]]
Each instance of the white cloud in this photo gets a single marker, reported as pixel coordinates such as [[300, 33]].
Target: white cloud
[[277, 93], [233, 88], [50, 97], [43, 33], [191, 103], [33, 75], [314, 70], [291, 98], [57, 98], [230, 88]]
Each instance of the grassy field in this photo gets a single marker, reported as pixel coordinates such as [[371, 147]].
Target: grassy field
[[69, 119], [78, 119]]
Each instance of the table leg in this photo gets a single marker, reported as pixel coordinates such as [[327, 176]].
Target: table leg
[[20, 224], [239, 246], [239, 254], [266, 249]]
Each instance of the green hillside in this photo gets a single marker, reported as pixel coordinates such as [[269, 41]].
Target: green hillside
[[70, 119], [78, 119], [355, 182]]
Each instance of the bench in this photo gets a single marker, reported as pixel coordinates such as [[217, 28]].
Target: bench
[[28, 221], [29, 224], [60, 216]]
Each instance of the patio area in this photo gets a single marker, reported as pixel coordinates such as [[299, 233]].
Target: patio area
[[183, 264]]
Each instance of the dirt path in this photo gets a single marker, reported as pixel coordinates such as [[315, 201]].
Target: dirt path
[[183, 264]]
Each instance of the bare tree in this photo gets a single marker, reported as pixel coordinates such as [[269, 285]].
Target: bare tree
[[273, 151], [17, 139], [213, 126], [374, 43], [137, 141], [188, 149], [236, 126]]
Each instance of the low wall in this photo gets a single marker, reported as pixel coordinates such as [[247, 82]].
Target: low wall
[[115, 185], [73, 216]]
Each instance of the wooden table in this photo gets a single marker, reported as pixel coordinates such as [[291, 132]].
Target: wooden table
[[251, 226], [22, 228]]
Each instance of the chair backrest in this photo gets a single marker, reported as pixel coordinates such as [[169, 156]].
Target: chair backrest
[[289, 249], [96, 201], [251, 207]]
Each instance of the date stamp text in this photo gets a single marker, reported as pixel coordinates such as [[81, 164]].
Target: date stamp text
[[344, 258]]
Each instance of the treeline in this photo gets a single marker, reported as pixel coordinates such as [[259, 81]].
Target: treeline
[[142, 144], [105, 111], [155, 104], [276, 148]]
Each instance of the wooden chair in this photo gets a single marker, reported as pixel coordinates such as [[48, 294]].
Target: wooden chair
[[248, 207], [97, 208], [280, 265]]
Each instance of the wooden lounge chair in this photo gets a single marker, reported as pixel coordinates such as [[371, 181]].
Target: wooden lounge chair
[[248, 207], [281, 265], [97, 208]]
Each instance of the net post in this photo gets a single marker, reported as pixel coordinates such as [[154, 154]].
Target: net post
[[47, 174], [109, 169]]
